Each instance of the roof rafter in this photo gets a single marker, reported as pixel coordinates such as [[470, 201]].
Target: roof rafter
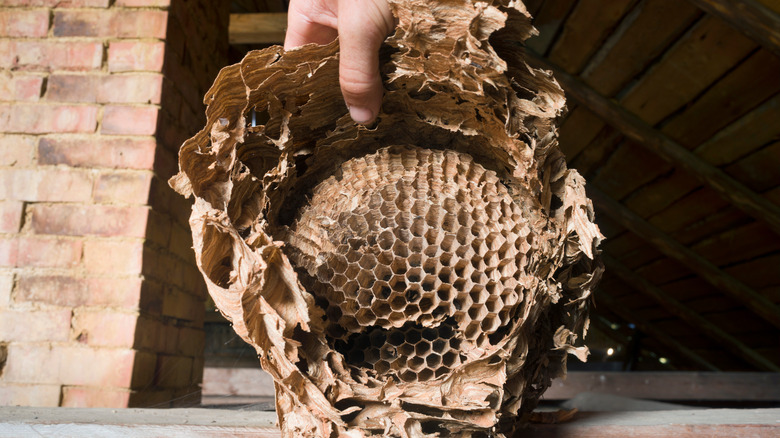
[[757, 303], [750, 17], [637, 129], [258, 28], [650, 329], [686, 314]]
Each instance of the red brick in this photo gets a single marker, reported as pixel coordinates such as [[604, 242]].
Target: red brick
[[20, 88], [46, 185], [17, 150], [59, 3], [183, 306], [38, 395], [197, 370], [160, 398], [135, 56], [89, 220], [113, 256], [41, 119], [6, 286], [50, 55], [34, 325], [129, 120], [135, 153], [44, 252], [9, 252], [104, 328], [192, 341], [114, 292], [31, 364], [143, 3], [128, 88], [24, 23], [173, 371], [107, 367], [123, 187], [10, 216], [159, 229], [187, 397], [90, 397], [121, 23], [59, 290]]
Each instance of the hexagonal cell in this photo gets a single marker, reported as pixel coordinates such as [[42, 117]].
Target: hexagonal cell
[[400, 249], [416, 244], [494, 303], [385, 239], [398, 302], [367, 261], [382, 290], [478, 277], [430, 334], [463, 236], [381, 309], [433, 360], [350, 288], [398, 283], [414, 260], [382, 367], [365, 297], [397, 319], [477, 312], [411, 310], [418, 227], [415, 363], [412, 294], [427, 304], [414, 275], [365, 278], [425, 374], [455, 345], [408, 376], [333, 313], [352, 270], [440, 345], [448, 242], [404, 220], [371, 355], [395, 337], [336, 296], [405, 350], [338, 280], [478, 294], [430, 265], [450, 205], [433, 217], [472, 330], [385, 258], [422, 348], [338, 263], [350, 306], [388, 353], [490, 323], [449, 222], [365, 317], [432, 236], [413, 336], [441, 371]]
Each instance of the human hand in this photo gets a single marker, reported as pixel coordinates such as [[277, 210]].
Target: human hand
[[362, 26]]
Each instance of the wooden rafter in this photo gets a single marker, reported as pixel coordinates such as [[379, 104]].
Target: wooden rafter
[[750, 17], [759, 304], [603, 298], [694, 319], [638, 130], [261, 28]]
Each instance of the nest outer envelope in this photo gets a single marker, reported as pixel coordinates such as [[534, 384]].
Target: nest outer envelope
[[455, 79]]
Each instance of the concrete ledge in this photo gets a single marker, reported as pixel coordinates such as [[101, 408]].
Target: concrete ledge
[[185, 423]]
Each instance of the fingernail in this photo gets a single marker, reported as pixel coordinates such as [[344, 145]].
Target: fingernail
[[361, 115]]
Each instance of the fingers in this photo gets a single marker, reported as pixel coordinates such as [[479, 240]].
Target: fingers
[[362, 26], [309, 22]]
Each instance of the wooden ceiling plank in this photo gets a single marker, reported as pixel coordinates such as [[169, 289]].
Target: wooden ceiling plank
[[548, 21], [759, 304], [597, 151], [259, 28], [694, 319], [650, 330], [639, 131], [587, 26], [749, 17]]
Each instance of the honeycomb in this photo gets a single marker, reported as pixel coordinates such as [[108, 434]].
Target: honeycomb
[[418, 264]]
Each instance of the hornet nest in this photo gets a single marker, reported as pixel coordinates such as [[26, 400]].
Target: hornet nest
[[423, 276]]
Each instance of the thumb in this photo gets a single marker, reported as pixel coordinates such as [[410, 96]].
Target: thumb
[[363, 25]]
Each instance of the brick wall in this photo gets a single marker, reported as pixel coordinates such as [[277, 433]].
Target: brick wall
[[100, 300]]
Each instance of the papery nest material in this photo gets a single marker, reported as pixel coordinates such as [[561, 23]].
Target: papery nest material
[[423, 276]]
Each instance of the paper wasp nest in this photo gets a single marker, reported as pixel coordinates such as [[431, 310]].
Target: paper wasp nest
[[424, 276]]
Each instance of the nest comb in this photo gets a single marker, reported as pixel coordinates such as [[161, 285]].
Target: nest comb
[[424, 276]]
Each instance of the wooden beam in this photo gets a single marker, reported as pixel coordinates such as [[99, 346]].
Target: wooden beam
[[750, 17], [759, 304], [260, 28], [602, 298], [638, 130], [670, 385], [694, 319]]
